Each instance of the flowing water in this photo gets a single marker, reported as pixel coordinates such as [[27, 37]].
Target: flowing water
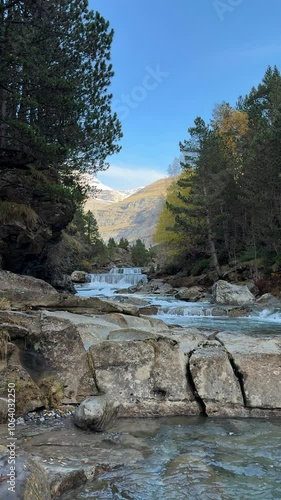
[[198, 458], [118, 277], [186, 314]]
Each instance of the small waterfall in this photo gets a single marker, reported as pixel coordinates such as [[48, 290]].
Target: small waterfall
[[121, 276], [191, 310]]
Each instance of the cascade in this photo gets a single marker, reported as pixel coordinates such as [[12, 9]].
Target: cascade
[[125, 276]]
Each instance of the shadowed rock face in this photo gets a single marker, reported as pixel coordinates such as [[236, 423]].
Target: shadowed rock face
[[25, 242]]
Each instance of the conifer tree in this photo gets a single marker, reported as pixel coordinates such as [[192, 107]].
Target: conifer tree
[[55, 73]]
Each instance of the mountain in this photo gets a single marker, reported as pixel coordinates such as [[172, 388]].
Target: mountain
[[101, 192], [134, 216]]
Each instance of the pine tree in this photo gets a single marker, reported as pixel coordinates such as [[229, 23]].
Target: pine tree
[[123, 243], [139, 253], [92, 230], [55, 73]]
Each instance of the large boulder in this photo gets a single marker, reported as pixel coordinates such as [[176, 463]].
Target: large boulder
[[148, 376], [57, 360], [97, 414], [233, 295], [215, 381], [258, 363], [80, 277], [26, 291]]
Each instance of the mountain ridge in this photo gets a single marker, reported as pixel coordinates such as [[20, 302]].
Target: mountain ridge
[[135, 216]]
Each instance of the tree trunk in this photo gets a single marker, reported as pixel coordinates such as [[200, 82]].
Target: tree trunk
[[212, 247], [211, 241]]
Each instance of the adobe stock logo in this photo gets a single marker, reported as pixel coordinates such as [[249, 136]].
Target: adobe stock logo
[[152, 79], [224, 6]]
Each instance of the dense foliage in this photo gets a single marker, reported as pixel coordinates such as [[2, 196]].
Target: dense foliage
[[226, 205], [54, 76]]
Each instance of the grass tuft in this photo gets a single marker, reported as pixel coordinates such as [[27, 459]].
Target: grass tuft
[[17, 212]]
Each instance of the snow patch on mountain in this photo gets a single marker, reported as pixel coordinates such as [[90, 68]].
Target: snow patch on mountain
[[101, 192]]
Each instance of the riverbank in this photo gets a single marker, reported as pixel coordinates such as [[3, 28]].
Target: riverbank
[[61, 350]]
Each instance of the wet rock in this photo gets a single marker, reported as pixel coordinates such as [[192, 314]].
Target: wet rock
[[157, 286], [97, 414], [31, 480], [192, 294], [228, 294], [24, 291], [80, 277], [268, 300], [62, 479], [136, 301], [215, 380], [239, 312], [218, 311], [148, 310], [258, 361]]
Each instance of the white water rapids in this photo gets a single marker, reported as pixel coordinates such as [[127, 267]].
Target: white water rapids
[[176, 312]]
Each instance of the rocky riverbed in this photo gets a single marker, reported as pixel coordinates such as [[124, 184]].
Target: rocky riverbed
[[59, 350]]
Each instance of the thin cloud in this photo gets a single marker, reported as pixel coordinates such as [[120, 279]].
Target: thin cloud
[[123, 178], [253, 52]]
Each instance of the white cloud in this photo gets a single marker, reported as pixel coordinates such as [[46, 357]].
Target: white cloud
[[253, 51], [123, 178]]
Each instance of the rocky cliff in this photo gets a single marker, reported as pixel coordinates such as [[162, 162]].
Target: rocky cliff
[[133, 217], [34, 209]]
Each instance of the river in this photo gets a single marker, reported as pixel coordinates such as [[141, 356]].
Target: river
[[196, 457]]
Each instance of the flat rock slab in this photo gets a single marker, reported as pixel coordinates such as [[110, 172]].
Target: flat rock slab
[[91, 329], [71, 457], [131, 334], [95, 305], [140, 323], [258, 360]]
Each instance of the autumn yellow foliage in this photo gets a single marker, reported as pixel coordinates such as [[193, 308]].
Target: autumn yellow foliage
[[165, 234]]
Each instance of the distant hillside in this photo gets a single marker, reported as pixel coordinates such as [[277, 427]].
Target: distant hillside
[[134, 217], [101, 192]]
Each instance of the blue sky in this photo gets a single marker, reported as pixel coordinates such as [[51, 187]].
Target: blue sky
[[174, 60]]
